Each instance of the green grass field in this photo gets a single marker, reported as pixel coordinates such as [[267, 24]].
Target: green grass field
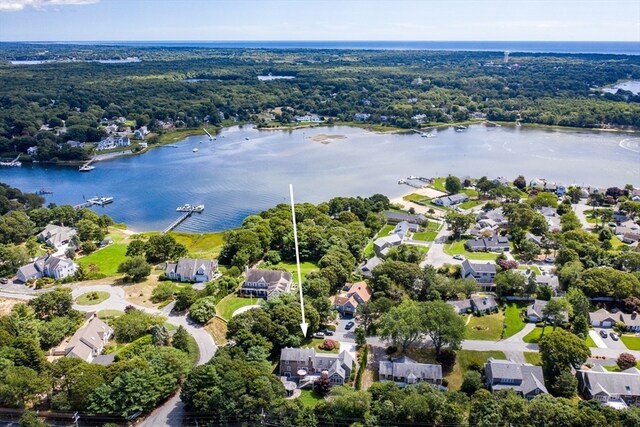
[[533, 268], [512, 320], [470, 204], [534, 336], [92, 298], [457, 248], [616, 368], [109, 314], [589, 342], [207, 245], [438, 184], [384, 231], [488, 328], [310, 398], [305, 268], [471, 193], [632, 343], [231, 303], [414, 197], [466, 359], [532, 357], [106, 259], [317, 342]]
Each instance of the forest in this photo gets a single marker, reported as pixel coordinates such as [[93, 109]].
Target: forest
[[190, 86]]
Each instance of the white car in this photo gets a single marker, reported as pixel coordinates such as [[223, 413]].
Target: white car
[[458, 257]]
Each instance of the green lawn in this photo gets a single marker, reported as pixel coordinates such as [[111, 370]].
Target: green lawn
[[457, 248], [413, 197], [317, 342], [384, 231], [470, 204], [616, 243], [487, 328], [534, 336], [438, 184], [368, 250], [533, 357], [471, 193], [589, 342], [429, 234], [632, 342], [466, 359], [512, 320], [231, 303], [533, 268], [109, 314], [305, 268], [310, 398], [616, 368], [106, 259], [207, 245], [92, 298]]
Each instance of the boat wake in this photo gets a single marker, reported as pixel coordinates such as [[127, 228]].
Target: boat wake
[[631, 144]]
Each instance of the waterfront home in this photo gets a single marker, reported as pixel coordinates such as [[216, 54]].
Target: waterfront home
[[483, 273], [260, 283], [615, 389], [488, 244], [403, 227], [47, 266], [367, 268], [492, 219], [524, 378], [452, 200], [32, 151], [396, 217], [89, 341], [141, 132], [348, 302], [111, 142], [405, 371], [307, 118], [535, 311], [191, 270], [361, 117], [56, 236], [75, 144], [382, 244], [305, 365]]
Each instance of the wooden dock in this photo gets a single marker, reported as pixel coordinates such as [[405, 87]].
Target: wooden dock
[[177, 222]]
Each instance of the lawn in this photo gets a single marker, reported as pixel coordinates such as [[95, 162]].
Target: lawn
[[106, 259], [632, 342], [414, 197], [467, 359], [470, 203], [457, 248], [429, 234], [384, 231], [207, 245], [616, 368], [512, 320], [589, 342], [438, 184], [317, 342], [616, 243], [231, 303], [368, 250], [471, 193], [92, 298], [109, 314], [305, 268], [533, 268], [217, 328], [534, 336], [310, 398], [533, 357], [488, 328]]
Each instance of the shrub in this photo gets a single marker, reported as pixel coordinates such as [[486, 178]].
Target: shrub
[[447, 358], [626, 361], [328, 345], [471, 383], [88, 247], [392, 349], [203, 309], [163, 292]]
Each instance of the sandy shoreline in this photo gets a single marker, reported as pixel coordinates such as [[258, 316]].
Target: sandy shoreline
[[324, 138]]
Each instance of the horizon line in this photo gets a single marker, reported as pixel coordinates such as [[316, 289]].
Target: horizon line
[[315, 41]]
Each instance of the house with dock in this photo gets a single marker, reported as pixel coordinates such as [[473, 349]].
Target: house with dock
[[111, 142]]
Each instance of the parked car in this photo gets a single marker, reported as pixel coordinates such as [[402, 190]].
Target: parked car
[[349, 325], [549, 260], [4, 280], [603, 334], [327, 332], [318, 335], [614, 336], [458, 257]]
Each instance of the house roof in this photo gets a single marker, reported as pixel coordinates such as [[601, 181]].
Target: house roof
[[188, 267], [361, 289], [530, 377], [88, 338], [399, 216], [488, 243], [601, 315], [463, 305], [392, 239], [272, 277], [479, 267], [297, 354], [484, 302], [599, 380], [536, 308], [632, 319], [371, 264], [543, 279], [28, 270], [405, 367]]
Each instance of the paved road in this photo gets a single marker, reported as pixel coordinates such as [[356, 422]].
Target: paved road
[[436, 255], [579, 209]]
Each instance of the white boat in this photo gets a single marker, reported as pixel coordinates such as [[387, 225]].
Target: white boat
[[198, 208], [86, 168], [195, 150], [100, 201], [184, 208]]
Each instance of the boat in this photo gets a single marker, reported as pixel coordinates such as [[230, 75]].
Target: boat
[[428, 135], [86, 168], [198, 208], [184, 208], [42, 192], [195, 150], [460, 127], [246, 138], [100, 201]]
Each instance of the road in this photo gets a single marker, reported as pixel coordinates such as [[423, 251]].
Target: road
[[579, 209]]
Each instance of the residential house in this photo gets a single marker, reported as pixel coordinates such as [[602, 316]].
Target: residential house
[[461, 306], [403, 227], [631, 321], [396, 217], [502, 181], [631, 237], [488, 244], [75, 144], [56, 236], [524, 378], [535, 311], [307, 118], [484, 304], [367, 268], [382, 244], [192, 270], [141, 132], [47, 266], [452, 200], [551, 215], [549, 280], [111, 142], [361, 117], [89, 341], [358, 293], [616, 389], [265, 283], [305, 365], [537, 184], [493, 219], [536, 240], [602, 319], [561, 190], [32, 151], [483, 273], [405, 371]]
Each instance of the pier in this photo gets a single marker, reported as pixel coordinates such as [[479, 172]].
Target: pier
[[14, 163], [87, 166], [177, 222], [408, 180]]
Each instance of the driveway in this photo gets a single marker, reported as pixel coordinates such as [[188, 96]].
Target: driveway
[[579, 209], [436, 255], [608, 341], [595, 336]]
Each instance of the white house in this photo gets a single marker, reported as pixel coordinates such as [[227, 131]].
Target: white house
[[113, 142], [602, 319], [47, 266], [89, 341], [56, 236], [260, 283], [192, 270]]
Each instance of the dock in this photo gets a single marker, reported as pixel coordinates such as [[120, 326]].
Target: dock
[[408, 180], [98, 201], [13, 163], [489, 122], [87, 166], [177, 222], [211, 138]]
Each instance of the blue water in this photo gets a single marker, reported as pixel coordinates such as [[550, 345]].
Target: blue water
[[235, 176], [618, 48]]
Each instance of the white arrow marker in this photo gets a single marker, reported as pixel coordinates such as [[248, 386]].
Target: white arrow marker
[[304, 325]]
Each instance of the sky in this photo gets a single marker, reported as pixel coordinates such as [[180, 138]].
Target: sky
[[393, 20]]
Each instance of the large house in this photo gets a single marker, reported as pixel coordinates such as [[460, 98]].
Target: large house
[[47, 266], [88, 341], [56, 236], [405, 370], [395, 217], [551, 216], [192, 270], [382, 244], [535, 311], [305, 365], [478, 304], [110, 142], [358, 293], [492, 219], [403, 227], [616, 389], [307, 118], [265, 283], [367, 268], [605, 319], [483, 273], [525, 379], [488, 244], [454, 199]]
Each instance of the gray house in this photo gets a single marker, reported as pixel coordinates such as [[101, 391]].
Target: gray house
[[260, 283], [305, 365], [367, 268], [527, 380], [396, 217], [405, 371], [488, 244], [192, 270], [483, 273], [382, 244], [56, 236], [452, 200], [89, 341], [616, 389], [535, 311]]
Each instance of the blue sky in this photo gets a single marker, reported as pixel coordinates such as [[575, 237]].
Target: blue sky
[[543, 20]]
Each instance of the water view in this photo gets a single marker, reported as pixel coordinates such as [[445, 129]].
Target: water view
[[246, 170]]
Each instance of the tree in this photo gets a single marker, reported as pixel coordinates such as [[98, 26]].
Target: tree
[[528, 251], [361, 337], [203, 309], [136, 248], [452, 184], [458, 223], [442, 324], [565, 385], [561, 351], [557, 311], [626, 361], [471, 382], [134, 324], [570, 221], [509, 282], [180, 339], [136, 268], [520, 183], [580, 326], [159, 335], [323, 384], [52, 304], [402, 324], [30, 419]]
